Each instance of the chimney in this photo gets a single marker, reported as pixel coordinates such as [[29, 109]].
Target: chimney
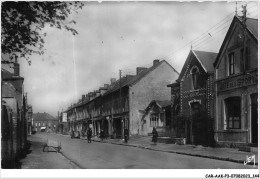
[[130, 76], [113, 80], [90, 94], [83, 97], [93, 94], [102, 90], [16, 68], [97, 92], [156, 62], [140, 69], [87, 97]]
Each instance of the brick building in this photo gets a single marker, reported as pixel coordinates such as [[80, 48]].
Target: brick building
[[194, 91]]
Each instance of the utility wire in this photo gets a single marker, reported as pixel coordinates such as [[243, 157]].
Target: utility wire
[[212, 35], [204, 32], [196, 39]]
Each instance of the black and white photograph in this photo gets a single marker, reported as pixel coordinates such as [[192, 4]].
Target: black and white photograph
[[121, 88]]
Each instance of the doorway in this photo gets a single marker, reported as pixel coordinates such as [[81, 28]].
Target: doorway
[[254, 118], [117, 128], [197, 127]]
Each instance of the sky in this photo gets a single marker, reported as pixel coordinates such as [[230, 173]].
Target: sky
[[117, 36]]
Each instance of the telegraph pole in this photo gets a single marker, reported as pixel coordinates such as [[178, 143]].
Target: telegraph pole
[[120, 72], [244, 11], [236, 10], [120, 103]]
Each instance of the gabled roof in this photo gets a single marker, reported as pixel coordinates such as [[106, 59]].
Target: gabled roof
[[130, 80], [8, 90], [43, 117], [6, 75], [252, 29], [125, 81], [161, 104], [252, 26], [206, 60]]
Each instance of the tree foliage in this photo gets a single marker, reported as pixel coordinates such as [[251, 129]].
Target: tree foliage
[[22, 24]]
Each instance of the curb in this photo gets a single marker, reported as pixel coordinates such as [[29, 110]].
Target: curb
[[181, 153], [70, 161]]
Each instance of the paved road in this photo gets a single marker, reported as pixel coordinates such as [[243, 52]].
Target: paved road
[[37, 159], [97, 155]]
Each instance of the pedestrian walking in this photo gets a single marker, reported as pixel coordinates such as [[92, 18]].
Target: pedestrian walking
[[102, 135], [126, 134], [89, 135], [72, 134], [155, 135]]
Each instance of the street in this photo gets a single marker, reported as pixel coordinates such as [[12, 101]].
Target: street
[[97, 155]]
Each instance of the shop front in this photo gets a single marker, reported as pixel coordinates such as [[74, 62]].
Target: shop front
[[119, 123], [237, 114]]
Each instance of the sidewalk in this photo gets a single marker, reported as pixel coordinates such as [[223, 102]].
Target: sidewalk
[[37, 159], [226, 154]]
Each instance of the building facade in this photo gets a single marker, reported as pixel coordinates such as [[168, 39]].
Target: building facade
[[29, 119], [13, 115], [120, 104], [236, 69], [44, 122], [196, 98], [157, 115]]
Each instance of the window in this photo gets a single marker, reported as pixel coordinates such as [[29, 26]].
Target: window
[[39, 124], [233, 113], [195, 110], [194, 77], [244, 62], [231, 64], [154, 120], [36, 124]]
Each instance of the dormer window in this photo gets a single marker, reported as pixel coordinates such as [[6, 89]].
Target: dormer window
[[194, 77]]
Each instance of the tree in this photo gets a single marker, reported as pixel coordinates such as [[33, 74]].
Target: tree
[[22, 23]]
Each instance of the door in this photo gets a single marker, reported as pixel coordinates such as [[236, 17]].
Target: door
[[197, 126], [117, 128], [254, 118]]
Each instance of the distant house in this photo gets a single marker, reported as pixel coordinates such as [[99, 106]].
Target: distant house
[[194, 91], [157, 114], [44, 122], [29, 119], [236, 69]]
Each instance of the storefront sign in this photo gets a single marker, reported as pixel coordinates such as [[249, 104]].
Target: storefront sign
[[237, 82]]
